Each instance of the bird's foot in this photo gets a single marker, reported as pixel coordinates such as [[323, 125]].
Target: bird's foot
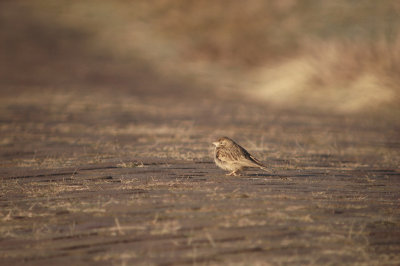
[[233, 173]]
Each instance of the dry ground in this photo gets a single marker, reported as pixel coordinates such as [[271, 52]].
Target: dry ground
[[106, 131], [100, 177]]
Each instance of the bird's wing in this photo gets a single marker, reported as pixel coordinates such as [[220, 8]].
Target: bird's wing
[[227, 156], [254, 159], [258, 163], [246, 156]]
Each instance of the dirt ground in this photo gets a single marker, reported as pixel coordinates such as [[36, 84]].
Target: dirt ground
[[113, 177]]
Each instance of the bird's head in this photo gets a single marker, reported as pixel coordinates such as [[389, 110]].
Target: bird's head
[[223, 142]]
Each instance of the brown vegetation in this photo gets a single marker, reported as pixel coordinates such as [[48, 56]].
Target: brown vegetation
[[108, 110]]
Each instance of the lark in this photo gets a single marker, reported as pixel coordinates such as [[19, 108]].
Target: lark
[[230, 156]]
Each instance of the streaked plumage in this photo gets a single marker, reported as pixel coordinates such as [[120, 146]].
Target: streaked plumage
[[230, 156]]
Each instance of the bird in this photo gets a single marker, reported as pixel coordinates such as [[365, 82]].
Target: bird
[[232, 157]]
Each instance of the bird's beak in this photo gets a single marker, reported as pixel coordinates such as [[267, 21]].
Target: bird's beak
[[215, 144]]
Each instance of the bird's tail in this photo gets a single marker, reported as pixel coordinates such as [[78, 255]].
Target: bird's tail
[[259, 164]]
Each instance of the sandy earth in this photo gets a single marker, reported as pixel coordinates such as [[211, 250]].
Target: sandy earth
[[113, 177]]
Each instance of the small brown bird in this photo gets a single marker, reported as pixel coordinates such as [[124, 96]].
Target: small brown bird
[[230, 156]]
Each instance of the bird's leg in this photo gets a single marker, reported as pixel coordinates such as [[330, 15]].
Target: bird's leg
[[234, 173]]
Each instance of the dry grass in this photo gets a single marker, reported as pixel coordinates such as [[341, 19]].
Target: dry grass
[[340, 57], [83, 127], [178, 214], [105, 147]]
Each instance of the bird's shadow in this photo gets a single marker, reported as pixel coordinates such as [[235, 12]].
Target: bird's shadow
[[265, 175]]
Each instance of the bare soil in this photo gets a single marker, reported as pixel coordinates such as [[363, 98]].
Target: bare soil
[[115, 177]]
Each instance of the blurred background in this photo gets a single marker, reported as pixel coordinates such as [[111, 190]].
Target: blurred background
[[337, 56]]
